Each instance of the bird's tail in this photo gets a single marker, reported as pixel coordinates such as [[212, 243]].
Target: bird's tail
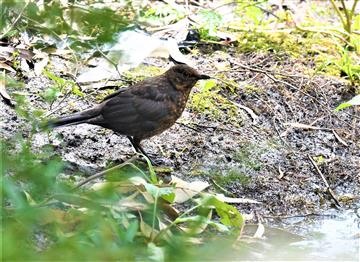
[[72, 119]]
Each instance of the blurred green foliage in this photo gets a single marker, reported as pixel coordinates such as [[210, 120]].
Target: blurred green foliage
[[210, 20], [126, 217], [160, 13], [78, 25]]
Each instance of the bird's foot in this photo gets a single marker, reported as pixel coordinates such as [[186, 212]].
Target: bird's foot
[[155, 160]]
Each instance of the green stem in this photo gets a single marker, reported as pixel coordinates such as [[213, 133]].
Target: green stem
[[174, 222], [353, 7], [347, 26], [337, 10], [154, 216]]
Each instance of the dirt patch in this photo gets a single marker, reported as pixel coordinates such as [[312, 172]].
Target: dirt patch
[[264, 158]]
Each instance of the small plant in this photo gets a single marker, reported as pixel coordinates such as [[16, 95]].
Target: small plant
[[208, 100], [248, 156], [355, 101], [160, 13], [346, 18], [229, 177], [348, 68], [209, 22]]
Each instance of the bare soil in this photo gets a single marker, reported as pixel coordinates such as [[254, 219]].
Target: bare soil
[[270, 150]]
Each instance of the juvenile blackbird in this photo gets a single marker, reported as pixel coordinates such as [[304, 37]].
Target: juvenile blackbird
[[142, 110]]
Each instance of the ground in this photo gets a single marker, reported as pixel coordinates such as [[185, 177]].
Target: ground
[[283, 117]]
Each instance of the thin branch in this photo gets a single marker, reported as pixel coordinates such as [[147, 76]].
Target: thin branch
[[353, 8], [102, 173], [328, 189], [304, 215]]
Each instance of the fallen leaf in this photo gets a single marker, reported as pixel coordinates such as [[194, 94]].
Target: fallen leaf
[[7, 67], [185, 190]]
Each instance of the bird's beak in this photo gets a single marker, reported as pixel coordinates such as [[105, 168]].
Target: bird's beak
[[203, 77]]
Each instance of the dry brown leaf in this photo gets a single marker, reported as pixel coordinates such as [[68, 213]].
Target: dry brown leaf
[[185, 190], [7, 67]]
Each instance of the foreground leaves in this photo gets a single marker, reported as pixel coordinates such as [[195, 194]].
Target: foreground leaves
[[131, 214]]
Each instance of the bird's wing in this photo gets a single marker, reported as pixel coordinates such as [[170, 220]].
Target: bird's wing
[[121, 90], [136, 110]]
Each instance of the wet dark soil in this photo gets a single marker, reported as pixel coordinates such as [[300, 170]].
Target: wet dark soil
[[268, 142]]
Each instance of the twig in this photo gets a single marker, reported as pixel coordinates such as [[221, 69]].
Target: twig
[[328, 189], [281, 173], [311, 127], [278, 132], [185, 125], [304, 215], [264, 71], [220, 187], [102, 173], [248, 110], [209, 127], [109, 60]]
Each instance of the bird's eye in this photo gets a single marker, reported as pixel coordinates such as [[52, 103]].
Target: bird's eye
[[183, 72], [180, 71]]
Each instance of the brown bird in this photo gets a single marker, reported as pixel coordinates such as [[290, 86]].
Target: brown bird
[[142, 110]]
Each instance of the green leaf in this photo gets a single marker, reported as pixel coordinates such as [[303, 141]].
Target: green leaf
[[355, 101], [228, 214], [208, 84], [124, 173], [51, 94], [76, 91], [80, 201], [155, 253], [165, 192], [12, 193], [169, 197], [131, 231], [210, 20]]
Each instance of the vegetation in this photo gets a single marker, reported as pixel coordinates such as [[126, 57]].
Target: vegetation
[[130, 215]]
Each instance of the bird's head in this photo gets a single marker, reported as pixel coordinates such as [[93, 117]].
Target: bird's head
[[184, 77]]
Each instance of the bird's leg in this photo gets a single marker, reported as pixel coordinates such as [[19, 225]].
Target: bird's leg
[[136, 144]]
